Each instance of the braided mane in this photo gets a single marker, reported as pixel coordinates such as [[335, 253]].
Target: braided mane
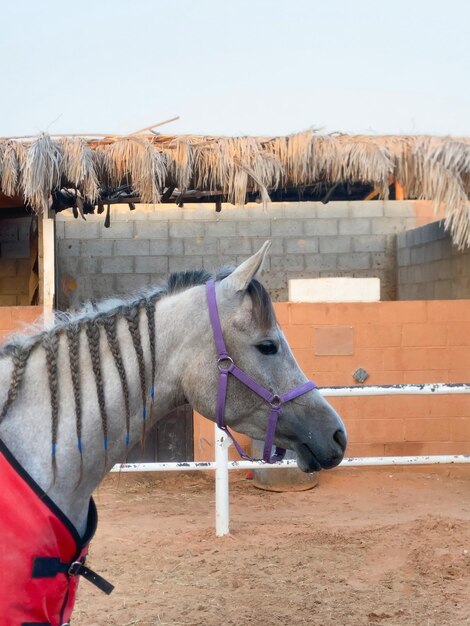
[[99, 320]]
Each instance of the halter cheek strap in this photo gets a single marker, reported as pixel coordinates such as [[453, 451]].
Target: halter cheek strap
[[226, 367]]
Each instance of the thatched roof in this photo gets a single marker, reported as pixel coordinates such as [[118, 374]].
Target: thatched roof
[[153, 168]]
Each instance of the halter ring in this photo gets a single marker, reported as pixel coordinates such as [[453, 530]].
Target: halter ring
[[225, 359]]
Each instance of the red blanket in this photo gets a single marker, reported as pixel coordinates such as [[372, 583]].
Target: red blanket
[[38, 543]]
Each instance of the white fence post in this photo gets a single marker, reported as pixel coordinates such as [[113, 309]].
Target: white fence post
[[222, 443]]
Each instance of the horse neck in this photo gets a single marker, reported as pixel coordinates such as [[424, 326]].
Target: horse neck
[[113, 416]]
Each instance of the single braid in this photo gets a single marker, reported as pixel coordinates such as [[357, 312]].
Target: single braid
[[110, 327], [93, 333], [50, 344], [150, 310], [73, 342], [19, 356], [132, 317]]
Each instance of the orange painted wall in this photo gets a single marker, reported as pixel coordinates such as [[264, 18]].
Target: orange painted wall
[[396, 342], [15, 318]]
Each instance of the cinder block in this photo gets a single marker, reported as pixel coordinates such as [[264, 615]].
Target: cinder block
[[7, 267], [151, 265], [332, 209], [354, 261], [151, 229], [89, 265], [96, 247], [402, 276], [215, 262], [443, 290], [337, 244], [198, 211], [403, 256], [287, 262], [131, 247], [6, 320], [14, 285], [255, 228], [368, 243], [81, 229], [68, 247], [15, 249], [8, 231], [200, 245], [117, 265], [220, 228], [181, 264], [186, 229], [130, 283], [235, 245], [319, 262], [388, 225], [122, 213], [320, 228], [381, 260], [399, 208], [166, 247], [69, 265], [117, 230], [417, 255], [8, 300], [98, 286], [356, 226], [59, 229], [402, 240], [361, 208], [286, 228], [445, 270], [300, 210], [301, 246]]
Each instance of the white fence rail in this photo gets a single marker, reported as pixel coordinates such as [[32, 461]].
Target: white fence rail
[[222, 465]]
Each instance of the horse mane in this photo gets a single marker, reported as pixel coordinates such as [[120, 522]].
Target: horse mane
[[106, 314]]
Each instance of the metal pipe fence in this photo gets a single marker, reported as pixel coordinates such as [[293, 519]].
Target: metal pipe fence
[[222, 465]]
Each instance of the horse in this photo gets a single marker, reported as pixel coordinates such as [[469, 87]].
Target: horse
[[76, 397]]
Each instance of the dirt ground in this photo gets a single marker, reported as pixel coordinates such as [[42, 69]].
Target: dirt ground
[[378, 547]]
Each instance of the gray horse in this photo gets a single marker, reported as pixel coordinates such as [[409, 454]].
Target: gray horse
[[76, 398]]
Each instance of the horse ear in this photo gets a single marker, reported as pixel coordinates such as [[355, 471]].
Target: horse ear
[[240, 278]]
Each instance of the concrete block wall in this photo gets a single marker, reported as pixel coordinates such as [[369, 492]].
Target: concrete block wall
[[14, 261], [309, 240], [430, 266]]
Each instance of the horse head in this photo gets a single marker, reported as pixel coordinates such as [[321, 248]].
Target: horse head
[[256, 345]]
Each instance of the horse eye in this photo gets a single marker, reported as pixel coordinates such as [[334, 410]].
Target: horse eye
[[267, 347]]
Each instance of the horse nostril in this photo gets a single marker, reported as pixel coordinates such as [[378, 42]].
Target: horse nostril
[[340, 438]]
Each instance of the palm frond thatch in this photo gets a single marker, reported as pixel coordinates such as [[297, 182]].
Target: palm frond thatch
[[430, 168]]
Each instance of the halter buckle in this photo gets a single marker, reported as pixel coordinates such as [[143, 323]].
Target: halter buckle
[[225, 359]]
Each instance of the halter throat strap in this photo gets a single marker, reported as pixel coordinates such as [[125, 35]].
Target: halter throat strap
[[227, 367]]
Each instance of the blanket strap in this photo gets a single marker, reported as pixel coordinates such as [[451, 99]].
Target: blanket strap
[[48, 567]]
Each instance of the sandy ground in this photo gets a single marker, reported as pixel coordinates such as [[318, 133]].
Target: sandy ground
[[376, 547]]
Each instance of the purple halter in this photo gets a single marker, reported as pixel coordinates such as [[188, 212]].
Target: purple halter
[[227, 366]]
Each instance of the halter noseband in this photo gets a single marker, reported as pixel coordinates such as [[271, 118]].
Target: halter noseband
[[227, 366]]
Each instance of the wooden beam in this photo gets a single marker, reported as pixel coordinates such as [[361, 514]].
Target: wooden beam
[[46, 257], [399, 191]]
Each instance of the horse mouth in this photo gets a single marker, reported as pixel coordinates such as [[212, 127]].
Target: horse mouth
[[308, 462], [306, 459]]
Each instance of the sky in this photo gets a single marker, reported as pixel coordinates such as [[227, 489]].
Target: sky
[[259, 67]]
